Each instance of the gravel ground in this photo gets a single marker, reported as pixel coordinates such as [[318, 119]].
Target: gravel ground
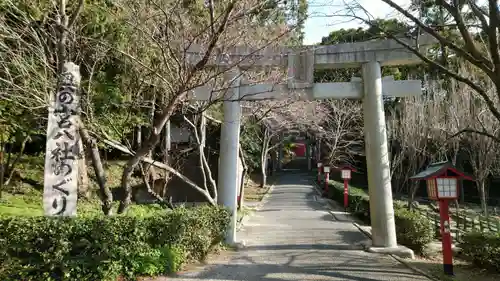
[[294, 237]]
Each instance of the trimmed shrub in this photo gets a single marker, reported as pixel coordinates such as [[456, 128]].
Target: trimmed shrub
[[413, 229], [105, 248], [359, 203], [483, 249]]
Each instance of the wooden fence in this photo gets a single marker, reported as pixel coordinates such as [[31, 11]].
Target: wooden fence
[[463, 222]]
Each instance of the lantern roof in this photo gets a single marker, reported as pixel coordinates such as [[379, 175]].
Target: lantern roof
[[441, 169]]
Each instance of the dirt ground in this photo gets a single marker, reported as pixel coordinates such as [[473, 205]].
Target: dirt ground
[[219, 254], [463, 270], [253, 191]]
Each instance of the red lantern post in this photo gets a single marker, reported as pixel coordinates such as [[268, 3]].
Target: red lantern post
[[446, 240], [326, 170], [346, 172], [319, 170], [442, 185]]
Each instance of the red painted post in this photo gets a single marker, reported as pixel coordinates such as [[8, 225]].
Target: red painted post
[[443, 186], [446, 237], [346, 194]]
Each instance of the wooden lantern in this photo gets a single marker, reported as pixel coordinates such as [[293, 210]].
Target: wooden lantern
[[442, 180], [442, 185]]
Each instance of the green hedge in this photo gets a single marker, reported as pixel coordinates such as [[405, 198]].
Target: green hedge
[[359, 202], [483, 249], [105, 248], [412, 228]]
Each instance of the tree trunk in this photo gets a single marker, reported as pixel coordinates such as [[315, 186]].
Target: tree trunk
[[263, 158], [138, 137], [6, 165], [176, 97], [274, 161], [151, 191], [243, 176], [457, 209], [2, 167], [413, 192], [263, 174], [166, 154], [166, 176], [149, 145], [148, 169], [159, 165], [483, 197], [201, 138], [263, 166], [83, 176], [104, 191], [18, 158]]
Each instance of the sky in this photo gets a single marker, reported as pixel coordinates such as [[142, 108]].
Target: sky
[[326, 16]]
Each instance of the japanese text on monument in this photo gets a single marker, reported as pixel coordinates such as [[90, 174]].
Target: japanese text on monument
[[61, 170]]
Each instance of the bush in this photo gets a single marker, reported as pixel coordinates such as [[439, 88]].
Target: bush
[[359, 203], [483, 249], [413, 229], [104, 248]]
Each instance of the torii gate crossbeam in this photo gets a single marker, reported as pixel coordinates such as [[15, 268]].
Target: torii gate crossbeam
[[301, 63]]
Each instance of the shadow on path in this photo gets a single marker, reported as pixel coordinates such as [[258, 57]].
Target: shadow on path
[[294, 237]]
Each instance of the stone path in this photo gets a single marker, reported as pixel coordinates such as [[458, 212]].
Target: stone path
[[294, 237]]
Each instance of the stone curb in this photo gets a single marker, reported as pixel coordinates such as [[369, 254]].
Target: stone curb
[[360, 228], [401, 260], [410, 266], [368, 234], [333, 204]]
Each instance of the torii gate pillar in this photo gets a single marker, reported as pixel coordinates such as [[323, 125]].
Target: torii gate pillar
[[364, 54], [228, 180], [377, 158]]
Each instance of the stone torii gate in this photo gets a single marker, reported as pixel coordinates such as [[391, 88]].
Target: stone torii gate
[[370, 56], [354, 90]]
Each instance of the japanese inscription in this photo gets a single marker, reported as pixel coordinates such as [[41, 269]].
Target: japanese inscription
[[61, 169]]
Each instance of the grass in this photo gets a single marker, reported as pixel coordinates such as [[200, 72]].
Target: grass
[[22, 205], [23, 197], [253, 191], [255, 194], [244, 211], [13, 205], [352, 189]]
